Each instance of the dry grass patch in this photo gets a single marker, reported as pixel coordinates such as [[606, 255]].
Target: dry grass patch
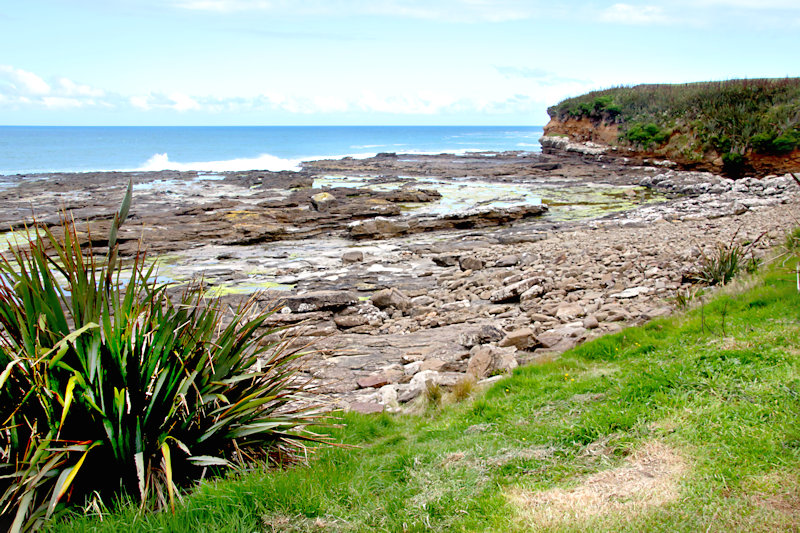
[[779, 493], [648, 479], [288, 524]]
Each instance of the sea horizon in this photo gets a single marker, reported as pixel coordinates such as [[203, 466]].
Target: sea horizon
[[55, 149]]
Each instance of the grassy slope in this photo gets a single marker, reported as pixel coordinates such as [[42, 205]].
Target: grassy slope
[[720, 386], [729, 119]]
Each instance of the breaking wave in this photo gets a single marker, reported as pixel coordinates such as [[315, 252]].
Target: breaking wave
[[262, 162]]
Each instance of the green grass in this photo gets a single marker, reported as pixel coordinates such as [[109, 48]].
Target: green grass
[[719, 386]]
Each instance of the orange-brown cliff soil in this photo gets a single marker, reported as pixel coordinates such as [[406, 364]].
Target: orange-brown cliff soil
[[584, 129]]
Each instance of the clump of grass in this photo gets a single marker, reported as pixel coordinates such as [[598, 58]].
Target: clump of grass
[[727, 260], [722, 265], [434, 393], [464, 388], [109, 387], [792, 241], [684, 297]]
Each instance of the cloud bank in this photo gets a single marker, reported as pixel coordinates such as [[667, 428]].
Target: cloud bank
[[21, 89]]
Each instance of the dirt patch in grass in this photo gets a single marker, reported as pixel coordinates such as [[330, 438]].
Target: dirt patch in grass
[[287, 524], [779, 493], [649, 478]]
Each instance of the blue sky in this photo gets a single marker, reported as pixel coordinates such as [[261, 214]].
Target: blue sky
[[309, 62]]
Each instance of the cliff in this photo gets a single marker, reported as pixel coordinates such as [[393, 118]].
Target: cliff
[[736, 127]]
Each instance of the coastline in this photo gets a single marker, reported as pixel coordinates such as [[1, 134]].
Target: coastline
[[41, 149], [394, 309]]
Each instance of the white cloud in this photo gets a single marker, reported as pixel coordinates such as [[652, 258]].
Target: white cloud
[[629, 14], [159, 101], [21, 88], [182, 102], [69, 87], [494, 98], [22, 82], [62, 102]]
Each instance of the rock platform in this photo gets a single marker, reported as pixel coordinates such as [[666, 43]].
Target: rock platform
[[392, 300]]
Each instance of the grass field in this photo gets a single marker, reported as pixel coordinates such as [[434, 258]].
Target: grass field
[[690, 423]]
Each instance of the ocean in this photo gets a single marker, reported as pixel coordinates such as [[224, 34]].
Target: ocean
[[42, 149]]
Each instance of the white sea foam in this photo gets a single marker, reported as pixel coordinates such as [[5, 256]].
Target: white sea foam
[[365, 146], [270, 162], [262, 162]]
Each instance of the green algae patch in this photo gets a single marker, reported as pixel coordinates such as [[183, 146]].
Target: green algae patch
[[577, 203], [566, 202], [231, 289]]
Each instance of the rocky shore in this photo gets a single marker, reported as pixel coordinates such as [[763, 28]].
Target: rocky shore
[[409, 270]]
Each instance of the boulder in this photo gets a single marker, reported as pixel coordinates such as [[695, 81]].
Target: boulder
[[513, 291], [374, 381], [318, 300], [323, 201], [488, 360], [353, 256], [445, 260], [470, 262], [350, 321], [564, 337], [391, 298], [378, 228], [507, 261], [521, 339], [568, 311], [632, 292], [590, 322], [445, 379], [481, 335]]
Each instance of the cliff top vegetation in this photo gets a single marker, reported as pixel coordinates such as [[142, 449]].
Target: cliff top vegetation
[[731, 118]]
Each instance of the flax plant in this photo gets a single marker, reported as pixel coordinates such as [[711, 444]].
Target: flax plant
[[108, 386]]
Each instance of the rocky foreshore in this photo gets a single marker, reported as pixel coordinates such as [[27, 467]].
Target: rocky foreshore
[[397, 293]]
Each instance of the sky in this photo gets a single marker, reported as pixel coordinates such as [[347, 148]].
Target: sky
[[366, 62]]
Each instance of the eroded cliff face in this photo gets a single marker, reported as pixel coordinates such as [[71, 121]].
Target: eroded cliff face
[[680, 148], [584, 130]]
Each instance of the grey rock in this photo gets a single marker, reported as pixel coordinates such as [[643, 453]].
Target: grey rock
[[353, 256], [513, 291], [391, 298], [470, 262], [323, 201], [590, 322], [487, 360], [507, 261], [481, 335], [522, 339], [318, 300], [445, 260]]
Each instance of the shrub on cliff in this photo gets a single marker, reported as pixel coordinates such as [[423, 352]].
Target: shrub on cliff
[[647, 135], [107, 385]]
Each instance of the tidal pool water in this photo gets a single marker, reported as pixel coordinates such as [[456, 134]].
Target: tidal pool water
[[566, 200]]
